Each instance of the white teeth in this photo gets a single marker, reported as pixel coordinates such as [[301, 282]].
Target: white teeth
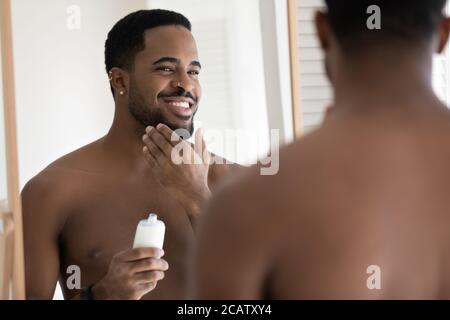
[[184, 105]]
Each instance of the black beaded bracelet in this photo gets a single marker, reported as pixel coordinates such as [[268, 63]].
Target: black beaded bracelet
[[86, 293]]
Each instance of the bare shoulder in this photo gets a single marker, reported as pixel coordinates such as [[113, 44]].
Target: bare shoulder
[[265, 204], [221, 170], [52, 192]]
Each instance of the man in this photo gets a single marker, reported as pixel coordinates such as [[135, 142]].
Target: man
[[83, 209], [360, 207]]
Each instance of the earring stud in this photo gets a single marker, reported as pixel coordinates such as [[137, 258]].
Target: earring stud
[[121, 93]]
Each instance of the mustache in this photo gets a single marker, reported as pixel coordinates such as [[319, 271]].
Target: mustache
[[178, 93]]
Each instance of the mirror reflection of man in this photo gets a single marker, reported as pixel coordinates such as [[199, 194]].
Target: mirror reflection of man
[[83, 209]]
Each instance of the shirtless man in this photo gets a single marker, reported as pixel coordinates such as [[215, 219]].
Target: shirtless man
[[83, 209], [369, 190]]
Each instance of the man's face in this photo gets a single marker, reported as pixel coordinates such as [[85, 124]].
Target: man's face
[[164, 86]]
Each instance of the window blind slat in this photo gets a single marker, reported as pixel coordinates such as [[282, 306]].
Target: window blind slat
[[315, 90]]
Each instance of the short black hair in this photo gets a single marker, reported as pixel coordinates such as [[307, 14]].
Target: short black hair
[[126, 38], [402, 21]]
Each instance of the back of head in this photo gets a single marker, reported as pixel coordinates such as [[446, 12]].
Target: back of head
[[404, 23]]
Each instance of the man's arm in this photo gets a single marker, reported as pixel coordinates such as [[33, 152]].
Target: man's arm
[[41, 224]]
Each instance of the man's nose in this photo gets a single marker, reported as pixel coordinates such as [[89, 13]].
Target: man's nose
[[183, 82]]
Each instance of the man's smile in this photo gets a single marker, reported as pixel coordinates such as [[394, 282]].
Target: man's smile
[[180, 106]]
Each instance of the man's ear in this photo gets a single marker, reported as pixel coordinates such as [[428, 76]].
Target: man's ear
[[119, 79], [444, 32], [323, 29]]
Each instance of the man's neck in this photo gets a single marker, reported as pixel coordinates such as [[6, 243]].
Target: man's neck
[[376, 85], [124, 138]]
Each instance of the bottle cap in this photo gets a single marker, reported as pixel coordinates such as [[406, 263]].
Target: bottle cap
[[152, 218]]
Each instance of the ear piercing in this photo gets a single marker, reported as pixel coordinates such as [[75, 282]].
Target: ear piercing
[[121, 92]]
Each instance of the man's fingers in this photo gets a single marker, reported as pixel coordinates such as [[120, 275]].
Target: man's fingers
[[149, 277], [200, 147], [146, 287], [158, 140], [151, 264], [155, 151], [171, 136], [148, 156], [140, 253], [198, 142], [206, 156]]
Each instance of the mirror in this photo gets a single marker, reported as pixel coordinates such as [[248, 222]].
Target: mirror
[[64, 100]]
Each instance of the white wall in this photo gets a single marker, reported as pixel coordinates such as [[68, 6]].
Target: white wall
[[63, 96], [275, 31]]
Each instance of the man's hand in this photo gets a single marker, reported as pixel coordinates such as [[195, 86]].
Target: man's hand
[[131, 275], [180, 167]]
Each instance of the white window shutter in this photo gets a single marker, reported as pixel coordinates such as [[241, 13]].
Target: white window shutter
[[315, 90], [213, 45]]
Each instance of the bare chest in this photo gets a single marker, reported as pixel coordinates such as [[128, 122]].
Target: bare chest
[[104, 224]]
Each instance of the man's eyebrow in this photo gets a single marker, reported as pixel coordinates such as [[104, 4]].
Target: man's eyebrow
[[167, 59], [176, 61], [196, 63]]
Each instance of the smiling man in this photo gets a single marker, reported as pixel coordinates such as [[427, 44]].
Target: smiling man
[[83, 209]]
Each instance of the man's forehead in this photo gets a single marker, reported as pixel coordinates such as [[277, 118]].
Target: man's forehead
[[170, 41]]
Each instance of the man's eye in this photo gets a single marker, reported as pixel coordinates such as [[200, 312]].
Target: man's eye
[[165, 69], [194, 73]]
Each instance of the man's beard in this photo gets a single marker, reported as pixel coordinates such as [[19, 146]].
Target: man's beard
[[141, 112]]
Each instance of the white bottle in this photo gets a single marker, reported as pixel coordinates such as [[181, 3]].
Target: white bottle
[[150, 233]]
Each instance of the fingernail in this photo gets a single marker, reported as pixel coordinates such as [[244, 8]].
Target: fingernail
[[159, 126], [148, 129]]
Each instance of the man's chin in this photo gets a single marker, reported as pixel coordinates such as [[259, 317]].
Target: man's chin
[[183, 129]]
